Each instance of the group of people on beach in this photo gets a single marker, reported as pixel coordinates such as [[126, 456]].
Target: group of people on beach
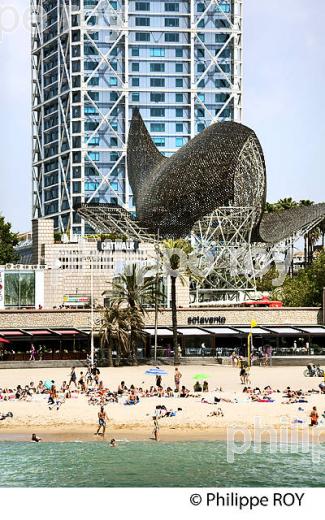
[[88, 384]]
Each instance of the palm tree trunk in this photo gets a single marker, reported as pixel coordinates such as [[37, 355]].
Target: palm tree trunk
[[310, 249], [133, 336], [174, 319], [109, 354], [118, 355], [133, 349]]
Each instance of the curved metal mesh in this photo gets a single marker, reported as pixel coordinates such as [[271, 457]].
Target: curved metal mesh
[[222, 166]]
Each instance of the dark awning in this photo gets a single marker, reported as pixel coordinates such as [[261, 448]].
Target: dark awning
[[160, 331], [69, 332], [318, 331], [284, 330]]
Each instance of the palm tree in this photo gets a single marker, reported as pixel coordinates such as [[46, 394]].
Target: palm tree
[[133, 290], [115, 331], [322, 230], [175, 270]]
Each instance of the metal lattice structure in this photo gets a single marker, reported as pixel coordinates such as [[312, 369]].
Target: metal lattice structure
[[278, 226], [107, 218], [230, 259], [93, 61]]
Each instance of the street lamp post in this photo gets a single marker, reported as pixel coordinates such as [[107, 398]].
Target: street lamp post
[[92, 345], [156, 298]]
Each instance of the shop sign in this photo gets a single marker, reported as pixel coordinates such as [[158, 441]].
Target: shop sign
[[118, 245], [206, 320], [76, 299]]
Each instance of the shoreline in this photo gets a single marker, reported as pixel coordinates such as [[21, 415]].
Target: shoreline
[[129, 433]]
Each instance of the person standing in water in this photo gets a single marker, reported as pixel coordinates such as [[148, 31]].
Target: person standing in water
[[102, 418], [156, 429]]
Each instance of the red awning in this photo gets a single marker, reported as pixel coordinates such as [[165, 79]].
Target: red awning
[[12, 333]]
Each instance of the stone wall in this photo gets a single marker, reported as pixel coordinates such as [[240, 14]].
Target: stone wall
[[232, 316]]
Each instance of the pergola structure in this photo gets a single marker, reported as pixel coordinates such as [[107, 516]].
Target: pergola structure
[[110, 218]]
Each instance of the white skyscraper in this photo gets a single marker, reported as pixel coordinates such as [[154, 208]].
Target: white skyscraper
[[93, 61]]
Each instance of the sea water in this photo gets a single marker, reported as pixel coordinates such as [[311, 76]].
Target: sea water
[[150, 464]]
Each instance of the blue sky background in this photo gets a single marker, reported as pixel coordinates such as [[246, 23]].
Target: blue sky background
[[284, 84]]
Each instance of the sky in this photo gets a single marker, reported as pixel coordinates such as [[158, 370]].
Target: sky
[[284, 82]]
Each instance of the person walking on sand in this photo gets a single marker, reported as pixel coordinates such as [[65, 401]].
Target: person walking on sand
[[32, 353], [102, 418], [313, 417], [177, 379], [242, 375], [158, 380], [73, 377], [247, 380], [81, 382]]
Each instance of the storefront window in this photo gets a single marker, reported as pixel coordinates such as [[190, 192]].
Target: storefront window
[[19, 289]]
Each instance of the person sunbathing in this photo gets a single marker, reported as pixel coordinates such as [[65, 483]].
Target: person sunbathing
[[184, 392], [133, 399], [121, 389], [216, 413], [4, 416]]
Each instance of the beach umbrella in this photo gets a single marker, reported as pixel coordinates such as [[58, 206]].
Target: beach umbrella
[[48, 384], [156, 372], [200, 377]]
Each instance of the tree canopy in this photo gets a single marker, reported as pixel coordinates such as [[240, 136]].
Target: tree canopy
[[306, 288], [8, 240]]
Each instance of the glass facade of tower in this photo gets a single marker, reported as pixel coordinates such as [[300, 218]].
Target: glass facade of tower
[[94, 61]]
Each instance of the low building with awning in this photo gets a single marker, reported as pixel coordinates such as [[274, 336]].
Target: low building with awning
[[50, 344]]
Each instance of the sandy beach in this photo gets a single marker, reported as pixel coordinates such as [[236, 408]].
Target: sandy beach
[[77, 420]]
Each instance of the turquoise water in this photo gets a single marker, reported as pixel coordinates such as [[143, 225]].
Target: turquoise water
[[144, 464]]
